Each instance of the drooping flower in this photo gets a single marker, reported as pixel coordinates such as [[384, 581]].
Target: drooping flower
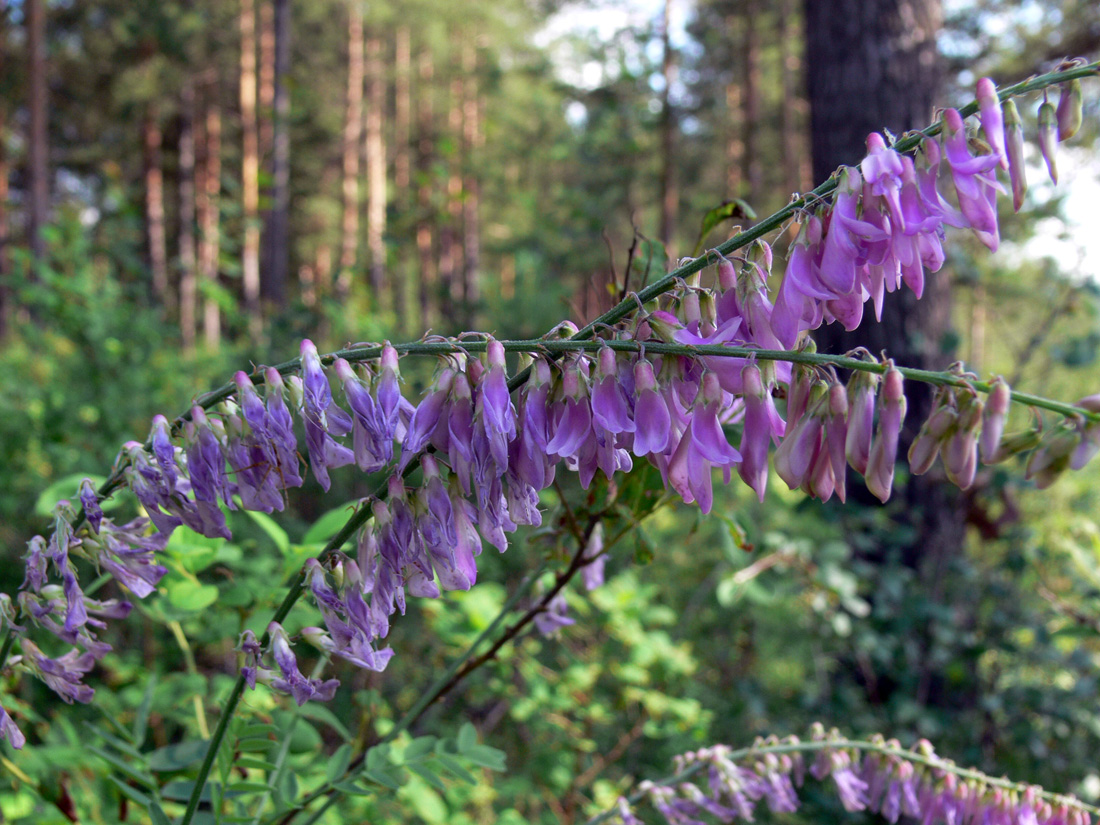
[[323, 419], [884, 448], [64, 674]]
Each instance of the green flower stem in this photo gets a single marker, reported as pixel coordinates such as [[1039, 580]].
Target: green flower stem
[[867, 747]]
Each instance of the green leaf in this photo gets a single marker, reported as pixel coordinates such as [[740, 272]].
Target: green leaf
[[319, 713], [467, 737], [276, 533], [249, 787], [353, 789], [191, 596], [455, 768], [727, 210], [179, 756], [378, 758], [384, 778], [251, 744], [428, 775], [419, 748], [329, 524], [157, 814], [486, 757], [254, 763], [123, 768], [258, 730], [179, 790], [118, 743], [133, 794], [288, 785], [338, 763], [141, 719]]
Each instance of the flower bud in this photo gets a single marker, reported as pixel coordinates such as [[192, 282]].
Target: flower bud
[[1014, 445], [861, 415], [1070, 109], [926, 446], [1052, 457], [1014, 147], [884, 448], [993, 419], [1048, 137], [990, 115]]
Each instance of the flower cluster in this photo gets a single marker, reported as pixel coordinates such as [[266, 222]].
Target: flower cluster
[[642, 394], [877, 776]]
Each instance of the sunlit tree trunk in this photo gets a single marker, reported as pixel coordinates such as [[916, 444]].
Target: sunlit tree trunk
[[402, 116], [277, 225], [38, 183], [187, 262], [353, 124], [266, 78], [425, 149], [208, 208], [668, 195], [376, 167], [250, 172], [155, 232]]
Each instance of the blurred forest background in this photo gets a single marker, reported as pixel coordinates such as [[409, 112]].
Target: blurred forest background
[[187, 187]]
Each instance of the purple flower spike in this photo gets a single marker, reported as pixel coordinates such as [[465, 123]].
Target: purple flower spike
[[884, 449], [651, 418]]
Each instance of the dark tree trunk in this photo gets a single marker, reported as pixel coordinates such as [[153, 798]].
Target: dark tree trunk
[[188, 286], [669, 195], [874, 66]]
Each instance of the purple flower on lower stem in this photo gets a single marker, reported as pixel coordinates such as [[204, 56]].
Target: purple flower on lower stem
[[63, 674], [292, 681], [651, 418], [251, 649], [610, 407], [358, 651], [862, 388], [596, 558], [762, 425], [554, 616], [10, 731], [90, 502], [571, 420]]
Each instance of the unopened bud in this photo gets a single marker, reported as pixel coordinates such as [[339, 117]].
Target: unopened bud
[[1014, 147], [1048, 137], [1052, 457], [1070, 109], [993, 419], [1015, 444]]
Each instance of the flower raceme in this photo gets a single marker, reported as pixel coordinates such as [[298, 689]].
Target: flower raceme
[[876, 775], [486, 452]]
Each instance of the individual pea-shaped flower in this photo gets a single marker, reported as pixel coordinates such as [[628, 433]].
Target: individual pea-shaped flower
[[90, 502], [991, 116], [651, 418], [10, 731], [960, 451], [554, 616], [862, 388], [64, 674], [884, 448], [926, 446], [610, 407], [761, 426], [292, 680], [1052, 457], [323, 420]]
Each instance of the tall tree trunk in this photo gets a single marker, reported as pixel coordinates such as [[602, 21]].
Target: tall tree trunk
[[425, 149], [669, 196], [376, 167], [208, 213], [875, 66], [735, 144], [5, 239], [795, 157], [353, 124], [471, 225], [449, 265], [402, 133], [266, 78], [752, 166], [187, 266], [250, 172], [277, 223], [38, 183], [154, 209]]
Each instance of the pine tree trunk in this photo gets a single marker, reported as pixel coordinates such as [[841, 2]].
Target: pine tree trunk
[[668, 194], [5, 238], [735, 144], [425, 149], [38, 184], [750, 126], [155, 232], [250, 173], [376, 167], [795, 155], [874, 67], [187, 265], [266, 78], [208, 214], [402, 132], [277, 225], [353, 124], [449, 265], [471, 225]]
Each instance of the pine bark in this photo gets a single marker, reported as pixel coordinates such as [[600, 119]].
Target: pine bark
[[402, 133], [471, 224], [187, 261], [353, 124], [425, 151], [38, 185], [208, 208], [5, 238], [250, 172], [376, 166], [155, 232], [449, 251], [266, 78], [752, 169], [277, 225], [669, 196], [795, 153]]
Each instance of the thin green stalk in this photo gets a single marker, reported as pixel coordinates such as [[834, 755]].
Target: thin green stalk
[[867, 747]]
